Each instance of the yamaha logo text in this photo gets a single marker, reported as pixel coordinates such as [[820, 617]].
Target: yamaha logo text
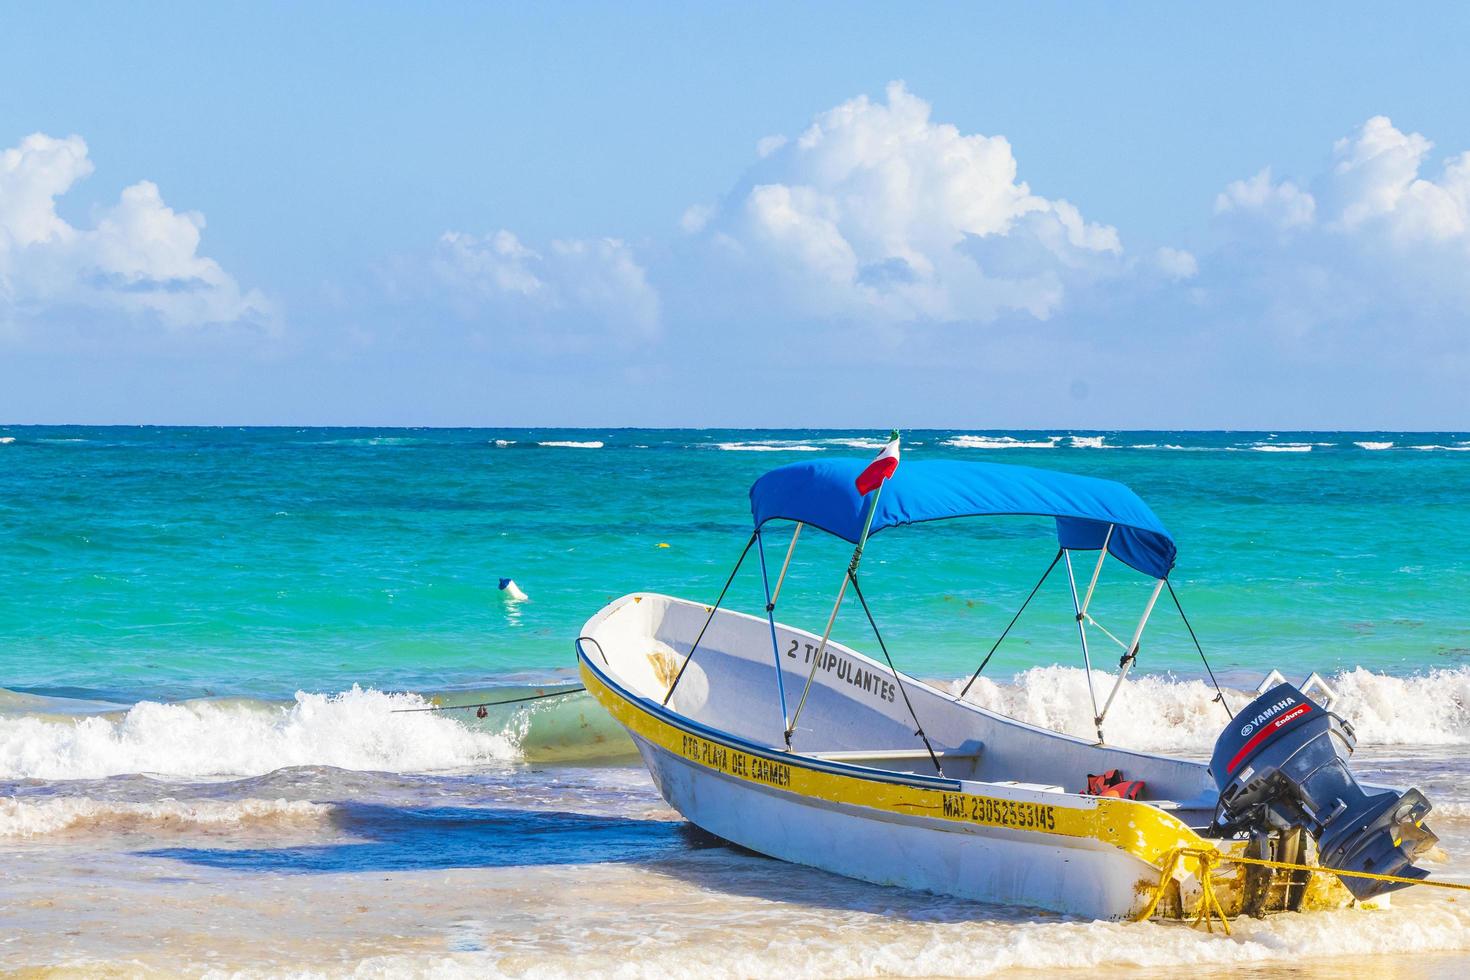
[[1266, 716]]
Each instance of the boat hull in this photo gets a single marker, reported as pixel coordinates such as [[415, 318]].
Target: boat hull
[[998, 824], [998, 867], [1011, 846]]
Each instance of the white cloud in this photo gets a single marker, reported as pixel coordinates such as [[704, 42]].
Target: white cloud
[[1371, 238], [695, 217], [767, 145], [1176, 263], [585, 284], [1284, 205], [876, 211], [139, 258]]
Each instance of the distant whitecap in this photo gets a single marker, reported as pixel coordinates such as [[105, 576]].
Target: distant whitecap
[[1000, 442], [767, 447]]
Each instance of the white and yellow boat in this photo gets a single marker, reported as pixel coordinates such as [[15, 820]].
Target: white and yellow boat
[[873, 774]]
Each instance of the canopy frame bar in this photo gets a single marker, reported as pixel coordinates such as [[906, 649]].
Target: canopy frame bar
[[1082, 637], [1106, 632], [1125, 664], [1102, 555], [857, 556], [780, 579]]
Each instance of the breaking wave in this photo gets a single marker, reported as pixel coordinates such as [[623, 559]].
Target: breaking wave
[[357, 729], [1001, 442], [565, 444], [767, 447], [1162, 713], [363, 730], [39, 818], [855, 443]]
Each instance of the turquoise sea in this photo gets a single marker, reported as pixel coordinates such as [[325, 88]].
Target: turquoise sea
[[177, 562], [216, 646]]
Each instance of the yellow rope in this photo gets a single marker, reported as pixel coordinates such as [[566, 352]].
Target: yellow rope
[[1209, 905]]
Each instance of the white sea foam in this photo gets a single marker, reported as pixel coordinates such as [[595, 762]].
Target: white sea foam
[[1001, 442], [1281, 447], [502, 443], [358, 729], [1374, 445], [1459, 447], [55, 815], [591, 444], [6, 439], [768, 447], [859, 443], [1160, 713], [1089, 442], [826, 942]]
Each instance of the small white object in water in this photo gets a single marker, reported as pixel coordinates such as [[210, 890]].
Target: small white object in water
[[512, 591]]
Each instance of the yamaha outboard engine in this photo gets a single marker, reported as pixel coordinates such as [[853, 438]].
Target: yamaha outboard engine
[[1282, 766]]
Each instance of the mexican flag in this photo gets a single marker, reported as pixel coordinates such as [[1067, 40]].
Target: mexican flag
[[880, 469]]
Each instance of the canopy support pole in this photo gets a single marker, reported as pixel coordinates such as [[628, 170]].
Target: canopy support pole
[[918, 725], [1082, 635], [1125, 663], [710, 618], [857, 556], [771, 616], [1097, 569], [790, 550], [976, 676]]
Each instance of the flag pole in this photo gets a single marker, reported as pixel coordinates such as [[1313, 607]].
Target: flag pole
[[857, 556]]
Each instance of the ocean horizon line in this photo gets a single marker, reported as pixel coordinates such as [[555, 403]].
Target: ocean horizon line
[[876, 430]]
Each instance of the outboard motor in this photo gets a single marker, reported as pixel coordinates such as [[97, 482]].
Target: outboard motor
[[1282, 766]]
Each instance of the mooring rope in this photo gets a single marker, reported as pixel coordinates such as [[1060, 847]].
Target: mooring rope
[[712, 610], [1005, 632], [898, 680], [1210, 908], [1219, 692], [490, 704]]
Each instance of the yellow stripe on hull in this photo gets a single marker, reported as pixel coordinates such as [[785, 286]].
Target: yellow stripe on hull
[[1134, 829]]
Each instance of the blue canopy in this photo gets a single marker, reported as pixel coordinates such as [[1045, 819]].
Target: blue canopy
[[822, 493]]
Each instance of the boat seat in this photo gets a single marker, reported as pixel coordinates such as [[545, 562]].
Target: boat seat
[[1198, 803], [1036, 787], [969, 750], [882, 755]]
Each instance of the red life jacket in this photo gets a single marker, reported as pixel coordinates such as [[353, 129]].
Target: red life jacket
[[1112, 784]]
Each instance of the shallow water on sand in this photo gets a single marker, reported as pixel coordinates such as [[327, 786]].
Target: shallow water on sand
[[517, 868]]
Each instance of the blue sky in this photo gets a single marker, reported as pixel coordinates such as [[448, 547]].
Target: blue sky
[[1078, 215]]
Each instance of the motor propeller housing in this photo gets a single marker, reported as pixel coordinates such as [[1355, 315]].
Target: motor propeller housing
[[1282, 765]]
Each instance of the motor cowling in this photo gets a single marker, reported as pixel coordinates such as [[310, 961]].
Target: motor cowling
[[1282, 765]]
